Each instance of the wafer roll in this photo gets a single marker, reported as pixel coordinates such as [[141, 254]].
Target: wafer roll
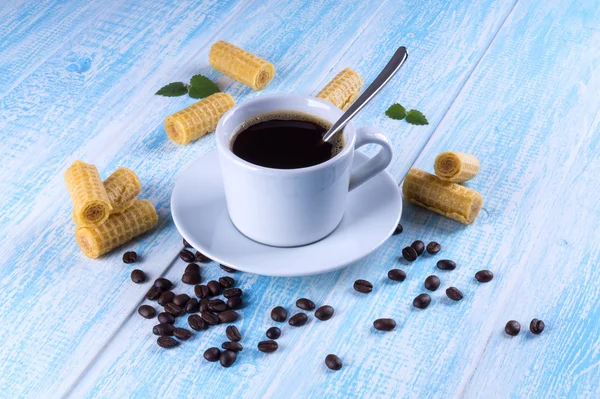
[[119, 229], [91, 203], [198, 119], [241, 65], [456, 167], [448, 199], [343, 89]]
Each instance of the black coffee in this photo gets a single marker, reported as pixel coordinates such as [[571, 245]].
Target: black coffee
[[285, 140]]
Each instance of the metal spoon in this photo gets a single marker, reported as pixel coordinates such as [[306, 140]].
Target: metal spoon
[[384, 76]]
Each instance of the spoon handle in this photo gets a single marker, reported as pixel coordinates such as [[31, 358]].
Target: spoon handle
[[384, 76]]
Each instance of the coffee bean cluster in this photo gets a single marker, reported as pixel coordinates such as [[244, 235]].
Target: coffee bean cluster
[[513, 327]]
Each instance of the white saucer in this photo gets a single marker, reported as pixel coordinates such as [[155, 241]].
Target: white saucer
[[200, 214]]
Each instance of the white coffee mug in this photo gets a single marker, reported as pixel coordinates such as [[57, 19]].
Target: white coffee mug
[[292, 207]]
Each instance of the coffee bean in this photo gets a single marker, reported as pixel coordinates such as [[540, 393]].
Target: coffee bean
[[422, 301], [186, 256], [203, 305], [432, 283], [231, 292], [216, 305], [512, 328], [299, 319], [278, 313], [333, 362], [214, 288], [396, 275], [147, 311], [166, 342], [201, 291], [227, 358], [138, 276], [268, 346], [433, 248], [324, 313], [181, 299], [233, 333], [384, 324], [166, 297], [536, 326], [130, 257], [273, 333], [200, 257], [232, 346], [190, 278], [173, 309], [186, 244], [228, 316], [163, 329], [305, 304], [410, 254], [228, 269], [164, 317], [210, 318], [212, 354], [197, 323], [226, 281], [446, 264], [163, 283], [192, 306], [234, 303], [399, 229], [192, 268], [454, 294], [484, 276], [182, 334], [418, 246], [153, 293], [363, 286]]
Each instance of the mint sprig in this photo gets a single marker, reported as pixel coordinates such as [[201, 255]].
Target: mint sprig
[[414, 117], [200, 87]]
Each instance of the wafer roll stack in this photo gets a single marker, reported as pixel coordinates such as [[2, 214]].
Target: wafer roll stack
[[198, 119], [343, 89], [91, 204], [446, 198], [119, 229], [241, 65], [456, 167]]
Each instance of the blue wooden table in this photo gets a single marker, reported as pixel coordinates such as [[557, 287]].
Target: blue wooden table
[[516, 82]]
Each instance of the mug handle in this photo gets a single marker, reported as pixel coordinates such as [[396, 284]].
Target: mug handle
[[371, 135]]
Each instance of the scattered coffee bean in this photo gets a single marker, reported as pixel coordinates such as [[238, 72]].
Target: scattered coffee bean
[[138, 276], [396, 275], [410, 254], [384, 324], [200, 257], [209, 318], [232, 346], [433, 248], [173, 309], [192, 268], [186, 256], [203, 305], [399, 229], [191, 278], [212, 354], [422, 301], [186, 244], [181, 299], [273, 333], [163, 283], [233, 333], [164, 317], [268, 346], [182, 334], [228, 316], [333, 362], [166, 297], [454, 294], [278, 313], [297, 320], [147, 311], [192, 306], [231, 292], [432, 283], [512, 328], [325, 312], [484, 276], [214, 288], [363, 286], [226, 281], [418, 246], [197, 323], [234, 303], [130, 257], [216, 305], [446, 264], [228, 269], [163, 329], [153, 293], [201, 291], [536, 326], [305, 304], [166, 342], [227, 358]]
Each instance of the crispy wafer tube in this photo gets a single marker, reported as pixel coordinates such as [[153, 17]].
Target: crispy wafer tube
[[343, 89], [198, 119], [119, 229], [449, 199], [90, 200], [456, 167], [241, 65]]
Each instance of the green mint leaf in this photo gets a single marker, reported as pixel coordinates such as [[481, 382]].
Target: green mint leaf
[[396, 111], [201, 87], [415, 117], [174, 89]]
